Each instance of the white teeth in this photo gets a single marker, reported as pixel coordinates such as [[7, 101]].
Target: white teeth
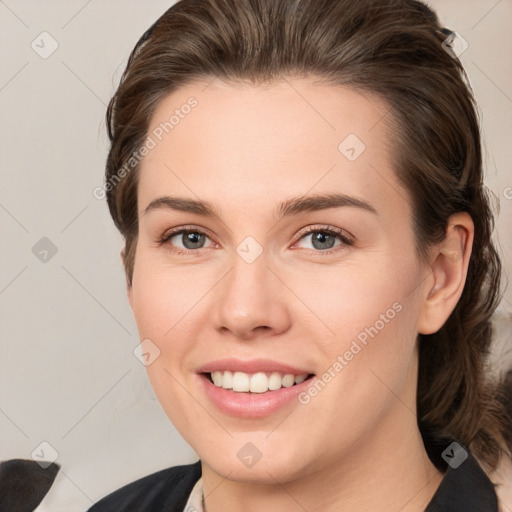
[[288, 380], [227, 380], [300, 378], [217, 378], [240, 381], [275, 380], [260, 382]]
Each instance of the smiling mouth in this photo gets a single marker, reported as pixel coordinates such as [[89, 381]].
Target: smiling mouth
[[256, 383]]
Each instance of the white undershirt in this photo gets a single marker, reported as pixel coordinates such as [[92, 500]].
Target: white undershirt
[[195, 500]]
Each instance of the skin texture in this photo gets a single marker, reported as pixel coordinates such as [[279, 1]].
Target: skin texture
[[356, 445]]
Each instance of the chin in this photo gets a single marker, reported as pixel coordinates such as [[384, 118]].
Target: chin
[[243, 462], [262, 472]]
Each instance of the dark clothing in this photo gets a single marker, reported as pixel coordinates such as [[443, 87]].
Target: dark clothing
[[164, 491], [465, 489]]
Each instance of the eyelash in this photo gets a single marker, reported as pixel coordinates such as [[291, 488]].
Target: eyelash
[[341, 234]]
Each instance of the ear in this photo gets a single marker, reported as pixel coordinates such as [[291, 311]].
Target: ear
[[449, 263], [128, 285]]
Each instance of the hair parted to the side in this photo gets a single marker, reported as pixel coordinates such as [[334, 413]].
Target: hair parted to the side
[[389, 48]]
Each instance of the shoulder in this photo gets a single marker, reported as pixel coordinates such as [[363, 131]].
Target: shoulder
[[167, 489]]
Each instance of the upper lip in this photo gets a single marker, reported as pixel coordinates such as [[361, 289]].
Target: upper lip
[[251, 366]]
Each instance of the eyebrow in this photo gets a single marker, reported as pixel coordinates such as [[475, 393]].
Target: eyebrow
[[289, 207]]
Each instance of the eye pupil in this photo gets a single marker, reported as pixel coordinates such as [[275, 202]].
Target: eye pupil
[[321, 236], [193, 238]]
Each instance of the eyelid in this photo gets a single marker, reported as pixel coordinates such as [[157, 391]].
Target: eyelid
[[345, 235], [177, 230]]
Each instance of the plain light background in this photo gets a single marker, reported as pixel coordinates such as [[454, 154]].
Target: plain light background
[[68, 376]]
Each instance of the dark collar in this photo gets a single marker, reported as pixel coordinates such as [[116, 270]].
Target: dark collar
[[465, 488]]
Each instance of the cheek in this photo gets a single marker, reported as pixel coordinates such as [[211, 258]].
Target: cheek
[[357, 294], [170, 305], [163, 298], [365, 342], [366, 314], [163, 306]]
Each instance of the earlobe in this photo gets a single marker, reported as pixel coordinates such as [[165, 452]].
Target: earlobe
[[449, 266]]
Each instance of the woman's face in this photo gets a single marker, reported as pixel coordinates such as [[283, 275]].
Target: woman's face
[[327, 287]]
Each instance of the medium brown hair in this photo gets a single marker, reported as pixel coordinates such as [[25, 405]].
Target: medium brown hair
[[397, 50]]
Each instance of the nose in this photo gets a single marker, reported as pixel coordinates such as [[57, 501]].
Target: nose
[[251, 301]]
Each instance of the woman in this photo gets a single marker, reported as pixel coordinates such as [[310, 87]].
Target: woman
[[308, 258]]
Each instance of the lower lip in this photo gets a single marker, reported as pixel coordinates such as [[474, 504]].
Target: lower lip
[[252, 405]]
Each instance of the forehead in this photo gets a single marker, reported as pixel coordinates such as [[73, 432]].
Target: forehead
[[245, 141]]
